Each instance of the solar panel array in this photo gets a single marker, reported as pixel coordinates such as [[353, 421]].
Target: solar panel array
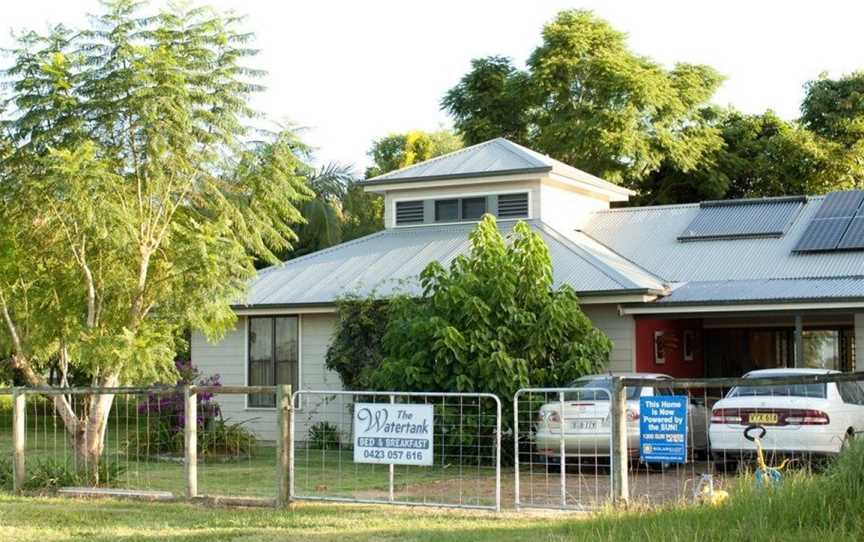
[[838, 225], [743, 219]]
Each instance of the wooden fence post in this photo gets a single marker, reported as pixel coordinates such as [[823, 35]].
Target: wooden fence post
[[19, 434], [285, 445], [191, 440], [618, 410]]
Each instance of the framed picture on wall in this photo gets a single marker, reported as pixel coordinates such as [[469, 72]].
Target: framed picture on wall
[[689, 344], [659, 349]]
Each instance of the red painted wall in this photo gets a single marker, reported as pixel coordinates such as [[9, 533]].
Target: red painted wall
[[673, 347]]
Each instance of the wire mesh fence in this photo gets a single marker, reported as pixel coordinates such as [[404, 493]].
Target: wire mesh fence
[[800, 420], [142, 448], [454, 452], [562, 448], [670, 440]]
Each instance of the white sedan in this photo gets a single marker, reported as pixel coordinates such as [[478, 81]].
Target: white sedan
[[802, 419], [588, 425]]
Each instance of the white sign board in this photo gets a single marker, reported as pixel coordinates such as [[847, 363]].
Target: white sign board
[[397, 434]]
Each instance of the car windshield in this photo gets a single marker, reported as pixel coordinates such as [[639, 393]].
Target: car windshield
[[593, 394], [818, 391]]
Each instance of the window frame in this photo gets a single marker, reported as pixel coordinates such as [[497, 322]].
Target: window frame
[[273, 362], [430, 207]]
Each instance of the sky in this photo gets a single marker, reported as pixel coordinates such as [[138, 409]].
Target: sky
[[349, 72]]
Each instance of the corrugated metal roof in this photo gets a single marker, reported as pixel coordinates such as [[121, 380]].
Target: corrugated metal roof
[[647, 236], [767, 290], [494, 157], [769, 217], [390, 261]]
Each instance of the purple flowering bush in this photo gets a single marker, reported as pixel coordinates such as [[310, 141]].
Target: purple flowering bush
[[165, 419]]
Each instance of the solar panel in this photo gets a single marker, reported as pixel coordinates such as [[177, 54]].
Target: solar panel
[[822, 234], [840, 204], [831, 227], [854, 236], [745, 219]]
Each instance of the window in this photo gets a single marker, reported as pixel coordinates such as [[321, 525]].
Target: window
[[851, 392], [409, 212], [821, 348], [273, 356], [818, 391], [473, 208], [513, 205], [446, 210]]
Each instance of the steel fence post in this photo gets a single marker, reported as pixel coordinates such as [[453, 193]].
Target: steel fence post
[[19, 434], [285, 445], [191, 440], [618, 411], [498, 454], [391, 492], [562, 450], [516, 487]]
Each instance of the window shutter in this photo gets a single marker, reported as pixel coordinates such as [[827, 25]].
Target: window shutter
[[513, 205], [409, 212]]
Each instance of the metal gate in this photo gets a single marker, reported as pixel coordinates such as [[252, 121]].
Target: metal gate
[[562, 444], [462, 468]]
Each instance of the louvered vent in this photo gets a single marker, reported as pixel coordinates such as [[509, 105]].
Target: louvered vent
[[409, 212], [513, 205]]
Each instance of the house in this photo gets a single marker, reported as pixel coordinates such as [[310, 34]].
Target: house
[[709, 289]]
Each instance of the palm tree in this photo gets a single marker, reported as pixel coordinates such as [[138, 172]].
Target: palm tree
[[323, 214]]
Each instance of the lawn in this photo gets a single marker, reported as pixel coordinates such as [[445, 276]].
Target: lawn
[[828, 506]]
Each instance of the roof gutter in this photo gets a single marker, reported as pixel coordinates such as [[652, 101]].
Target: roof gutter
[[728, 307], [398, 180]]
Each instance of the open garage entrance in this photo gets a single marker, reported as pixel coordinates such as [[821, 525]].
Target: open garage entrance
[[722, 345]]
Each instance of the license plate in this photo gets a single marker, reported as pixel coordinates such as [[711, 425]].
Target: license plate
[[764, 417], [584, 425]]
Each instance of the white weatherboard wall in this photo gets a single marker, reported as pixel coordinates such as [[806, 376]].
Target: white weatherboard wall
[[227, 358], [621, 330]]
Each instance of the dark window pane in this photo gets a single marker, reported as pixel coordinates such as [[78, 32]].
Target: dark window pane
[[260, 339], [473, 208], [447, 210], [287, 354]]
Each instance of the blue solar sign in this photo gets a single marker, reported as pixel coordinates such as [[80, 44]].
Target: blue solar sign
[[663, 429]]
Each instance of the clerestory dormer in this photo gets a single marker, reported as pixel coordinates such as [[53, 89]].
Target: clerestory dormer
[[498, 177]]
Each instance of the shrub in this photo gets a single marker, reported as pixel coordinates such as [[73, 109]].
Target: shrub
[[492, 322], [324, 436], [356, 350], [166, 422], [49, 474]]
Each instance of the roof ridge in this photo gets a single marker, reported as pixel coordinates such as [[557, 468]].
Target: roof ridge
[[645, 270], [581, 252], [508, 145]]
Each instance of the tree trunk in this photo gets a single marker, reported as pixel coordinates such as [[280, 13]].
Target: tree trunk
[[88, 437]]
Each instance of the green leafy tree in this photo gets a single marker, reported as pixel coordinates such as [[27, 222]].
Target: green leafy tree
[[132, 202], [492, 322], [762, 156], [588, 100], [492, 100], [834, 110], [397, 151]]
